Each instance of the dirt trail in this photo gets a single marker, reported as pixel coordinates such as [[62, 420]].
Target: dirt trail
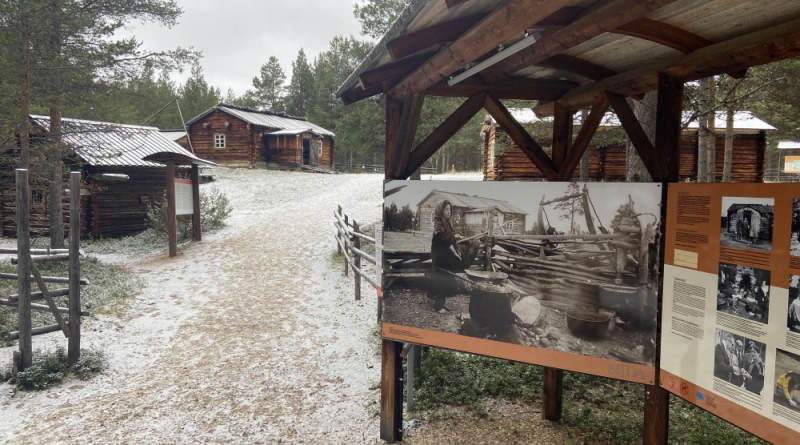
[[246, 337]]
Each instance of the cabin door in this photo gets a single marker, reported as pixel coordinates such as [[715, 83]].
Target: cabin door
[[306, 151]]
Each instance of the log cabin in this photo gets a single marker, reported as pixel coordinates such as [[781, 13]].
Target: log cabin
[[504, 161], [242, 137], [471, 214], [117, 184], [759, 218]]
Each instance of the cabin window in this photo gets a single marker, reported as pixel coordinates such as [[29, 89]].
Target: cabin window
[[37, 197], [219, 141]]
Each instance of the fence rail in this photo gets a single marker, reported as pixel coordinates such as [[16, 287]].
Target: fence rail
[[373, 168], [349, 239]]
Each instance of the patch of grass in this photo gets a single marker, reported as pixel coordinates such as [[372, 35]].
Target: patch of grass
[[608, 410], [51, 368]]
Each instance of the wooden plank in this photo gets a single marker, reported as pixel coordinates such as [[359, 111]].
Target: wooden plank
[[39, 295], [378, 75], [14, 335], [503, 24], [552, 394], [393, 112], [604, 18], [560, 18], [357, 265], [42, 307], [24, 271], [13, 276], [585, 135], [664, 34], [409, 120], [443, 133], [172, 227], [49, 299], [520, 136], [391, 428], [75, 313], [431, 36], [576, 65], [668, 128], [562, 136], [526, 89], [634, 131]]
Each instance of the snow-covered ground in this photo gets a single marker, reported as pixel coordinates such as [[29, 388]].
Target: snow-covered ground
[[250, 336]]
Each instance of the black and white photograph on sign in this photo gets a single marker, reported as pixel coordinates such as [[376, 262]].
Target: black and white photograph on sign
[[739, 361], [794, 243], [564, 266], [793, 311], [787, 380], [746, 223], [743, 291]]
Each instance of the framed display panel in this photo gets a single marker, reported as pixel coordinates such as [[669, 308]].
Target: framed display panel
[[562, 275], [731, 311]]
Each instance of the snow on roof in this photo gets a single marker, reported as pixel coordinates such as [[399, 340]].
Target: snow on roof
[[742, 120], [788, 145], [109, 144], [173, 135], [267, 119]]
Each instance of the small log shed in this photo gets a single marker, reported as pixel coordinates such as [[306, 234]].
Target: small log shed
[[242, 137], [471, 213], [117, 184], [505, 161], [567, 55]]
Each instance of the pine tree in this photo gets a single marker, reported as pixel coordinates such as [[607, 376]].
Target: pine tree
[[299, 99], [268, 87]]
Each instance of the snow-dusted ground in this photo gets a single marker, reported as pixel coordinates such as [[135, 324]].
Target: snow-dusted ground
[[248, 337]]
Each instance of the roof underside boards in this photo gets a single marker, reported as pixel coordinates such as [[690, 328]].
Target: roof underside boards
[[603, 45], [108, 144], [266, 119]]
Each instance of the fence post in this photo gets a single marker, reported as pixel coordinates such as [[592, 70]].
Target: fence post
[[338, 246], [74, 345], [552, 394], [345, 242], [357, 261], [24, 271]]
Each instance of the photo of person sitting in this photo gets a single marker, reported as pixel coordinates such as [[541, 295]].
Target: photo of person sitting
[[447, 256], [785, 387]]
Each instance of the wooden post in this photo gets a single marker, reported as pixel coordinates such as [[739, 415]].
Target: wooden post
[[489, 232], [345, 241], [197, 231], [391, 391], [172, 224], [74, 318], [552, 394], [357, 261], [338, 246], [24, 271]]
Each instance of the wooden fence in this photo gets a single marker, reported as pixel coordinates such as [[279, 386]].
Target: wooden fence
[[27, 270], [349, 239]]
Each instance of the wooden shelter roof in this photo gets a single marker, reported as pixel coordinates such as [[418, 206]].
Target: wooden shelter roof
[[575, 50]]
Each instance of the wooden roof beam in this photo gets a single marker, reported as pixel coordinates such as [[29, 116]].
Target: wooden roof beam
[[454, 3], [664, 34], [771, 44], [444, 132], [521, 138], [391, 70], [359, 93], [502, 25], [578, 66], [431, 36], [608, 16], [512, 89], [584, 137], [634, 131]]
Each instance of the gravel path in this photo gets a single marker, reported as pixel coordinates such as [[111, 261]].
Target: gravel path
[[249, 336]]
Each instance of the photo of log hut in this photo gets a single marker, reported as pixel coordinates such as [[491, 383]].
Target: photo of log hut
[[575, 272], [747, 223]]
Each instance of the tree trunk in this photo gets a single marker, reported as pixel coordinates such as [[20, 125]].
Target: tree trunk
[[711, 152], [729, 105], [645, 111], [585, 158], [702, 131], [55, 158]]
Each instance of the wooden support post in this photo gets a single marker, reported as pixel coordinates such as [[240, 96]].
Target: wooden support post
[[197, 231], [345, 242], [357, 261], [393, 111], [339, 246], [74, 344], [391, 392], [562, 137], [669, 110], [24, 271], [552, 389], [172, 224]]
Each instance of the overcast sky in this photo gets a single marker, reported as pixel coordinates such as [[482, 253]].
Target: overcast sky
[[238, 36]]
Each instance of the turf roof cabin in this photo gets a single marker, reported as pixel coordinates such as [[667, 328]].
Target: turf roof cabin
[[117, 184], [242, 137], [504, 161], [471, 214]]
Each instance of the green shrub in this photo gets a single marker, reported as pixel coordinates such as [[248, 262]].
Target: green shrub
[[51, 368], [215, 208]]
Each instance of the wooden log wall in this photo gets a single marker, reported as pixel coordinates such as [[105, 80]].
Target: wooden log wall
[[326, 158], [286, 150], [39, 220], [240, 141], [609, 163]]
